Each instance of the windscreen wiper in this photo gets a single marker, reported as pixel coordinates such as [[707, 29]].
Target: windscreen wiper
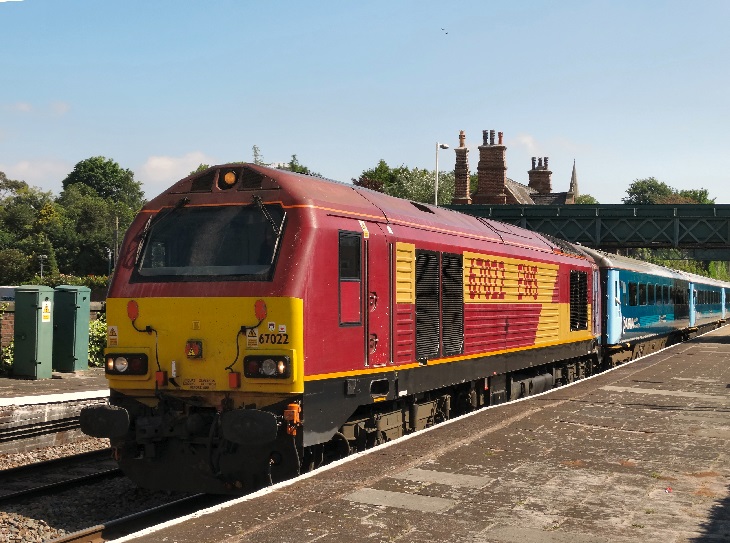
[[153, 220], [259, 202]]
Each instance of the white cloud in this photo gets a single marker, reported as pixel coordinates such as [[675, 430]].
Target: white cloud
[[11, 1], [159, 172], [21, 107], [46, 173], [527, 142], [60, 108]]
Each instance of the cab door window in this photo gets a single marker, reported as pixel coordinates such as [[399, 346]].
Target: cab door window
[[350, 277]]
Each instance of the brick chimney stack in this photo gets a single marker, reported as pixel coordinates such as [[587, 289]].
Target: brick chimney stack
[[491, 171], [540, 176], [461, 173]]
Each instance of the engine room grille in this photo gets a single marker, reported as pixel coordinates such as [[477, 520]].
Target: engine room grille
[[452, 303], [578, 300], [427, 304]]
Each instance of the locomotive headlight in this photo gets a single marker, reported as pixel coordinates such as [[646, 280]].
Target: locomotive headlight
[[269, 367], [121, 364], [273, 367]]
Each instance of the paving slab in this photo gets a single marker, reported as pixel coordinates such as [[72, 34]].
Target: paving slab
[[638, 453]]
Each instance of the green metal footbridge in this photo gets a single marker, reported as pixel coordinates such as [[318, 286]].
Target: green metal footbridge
[[704, 230]]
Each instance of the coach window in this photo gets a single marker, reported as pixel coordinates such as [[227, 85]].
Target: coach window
[[651, 294], [350, 268], [642, 293], [633, 294], [624, 293], [665, 294]]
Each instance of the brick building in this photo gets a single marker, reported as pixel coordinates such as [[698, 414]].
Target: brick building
[[494, 187]]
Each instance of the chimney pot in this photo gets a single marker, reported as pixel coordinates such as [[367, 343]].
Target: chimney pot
[[500, 134], [534, 160], [462, 137], [539, 163], [485, 137], [546, 163], [491, 137]]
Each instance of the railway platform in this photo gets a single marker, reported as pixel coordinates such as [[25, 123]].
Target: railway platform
[[38, 413], [638, 453]]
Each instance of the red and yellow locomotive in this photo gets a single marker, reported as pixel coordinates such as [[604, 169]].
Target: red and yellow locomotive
[[261, 321]]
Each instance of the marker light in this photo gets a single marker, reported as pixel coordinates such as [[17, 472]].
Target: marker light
[[227, 180]]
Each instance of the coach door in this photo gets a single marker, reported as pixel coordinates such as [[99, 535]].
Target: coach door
[[377, 295]]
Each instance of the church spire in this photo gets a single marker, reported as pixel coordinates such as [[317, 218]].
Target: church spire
[[574, 182]]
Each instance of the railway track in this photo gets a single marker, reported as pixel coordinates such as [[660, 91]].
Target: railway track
[[42, 478], [127, 525]]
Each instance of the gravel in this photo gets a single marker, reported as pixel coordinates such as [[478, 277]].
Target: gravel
[[44, 519]]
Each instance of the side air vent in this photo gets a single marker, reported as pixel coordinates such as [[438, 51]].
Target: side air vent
[[251, 180], [427, 305], [578, 300], [452, 303]]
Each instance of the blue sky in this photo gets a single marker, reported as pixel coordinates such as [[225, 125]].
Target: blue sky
[[629, 89]]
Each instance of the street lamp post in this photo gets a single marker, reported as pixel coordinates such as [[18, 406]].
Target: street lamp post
[[42, 258], [436, 185]]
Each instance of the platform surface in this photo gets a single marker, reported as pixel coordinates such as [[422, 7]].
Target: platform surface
[[67, 386], [636, 454]]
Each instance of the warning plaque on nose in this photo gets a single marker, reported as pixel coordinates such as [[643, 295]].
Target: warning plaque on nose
[[252, 338]]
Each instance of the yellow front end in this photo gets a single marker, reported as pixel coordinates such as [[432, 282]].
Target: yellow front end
[[198, 346]]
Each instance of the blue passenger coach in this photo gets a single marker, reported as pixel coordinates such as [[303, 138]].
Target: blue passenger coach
[[647, 306]]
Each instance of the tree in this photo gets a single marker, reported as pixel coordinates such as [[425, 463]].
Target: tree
[[258, 158], [647, 191], [651, 191], [698, 196], [414, 184], [379, 178], [296, 167], [586, 199], [10, 186], [201, 168], [108, 179], [88, 230], [15, 267]]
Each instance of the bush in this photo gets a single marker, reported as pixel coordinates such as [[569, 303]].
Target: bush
[[6, 360], [91, 281], [97, 341]]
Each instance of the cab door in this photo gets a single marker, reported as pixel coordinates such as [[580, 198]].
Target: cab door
[[377, 294]]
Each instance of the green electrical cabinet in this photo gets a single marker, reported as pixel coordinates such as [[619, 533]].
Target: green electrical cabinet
[[33, 335], [71, 328]]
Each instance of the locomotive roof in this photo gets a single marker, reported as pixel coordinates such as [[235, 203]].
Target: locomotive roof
[[359, 202]]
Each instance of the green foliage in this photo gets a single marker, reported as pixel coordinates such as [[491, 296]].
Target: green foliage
[[258, 158], [91, 281], [678, 259], [647, 191], [650, 191], [6, 357], [6, 360], [108, 179], [97, 341], [15, 267], [201, 168], [415, 184], [697, 196], [586, 199]]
